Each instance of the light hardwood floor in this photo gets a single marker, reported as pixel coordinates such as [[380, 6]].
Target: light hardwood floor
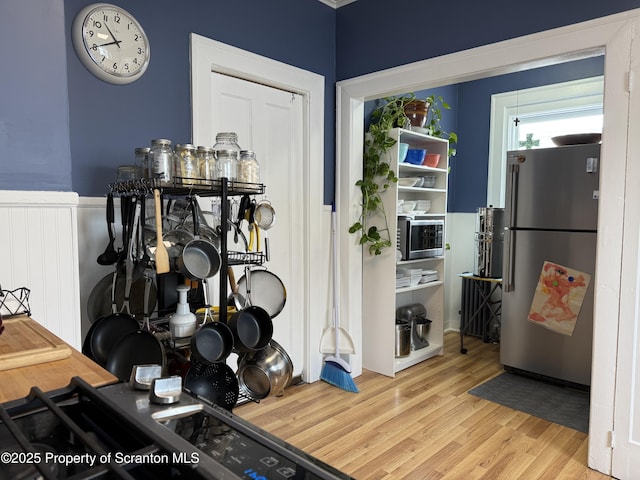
[[423, 424]]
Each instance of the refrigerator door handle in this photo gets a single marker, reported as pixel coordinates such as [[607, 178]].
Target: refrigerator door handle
[[507, 272], [512, 193], [512, 196]]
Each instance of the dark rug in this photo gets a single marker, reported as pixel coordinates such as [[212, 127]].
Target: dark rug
[[555, 403]]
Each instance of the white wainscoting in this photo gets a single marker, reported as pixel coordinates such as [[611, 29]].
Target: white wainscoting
[[39, 251]]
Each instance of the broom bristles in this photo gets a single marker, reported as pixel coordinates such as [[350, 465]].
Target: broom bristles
[[335, 375]]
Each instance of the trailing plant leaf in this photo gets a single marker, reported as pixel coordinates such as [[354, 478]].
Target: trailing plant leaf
[[378, 176]]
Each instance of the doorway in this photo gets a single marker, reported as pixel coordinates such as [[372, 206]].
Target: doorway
[[208, 57], [612, 34]]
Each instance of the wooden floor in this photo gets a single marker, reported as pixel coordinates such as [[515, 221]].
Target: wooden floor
[[423, 424]]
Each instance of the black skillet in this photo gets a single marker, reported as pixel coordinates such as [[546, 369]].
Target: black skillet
[[211, 343], [107, 331], [137, 348]]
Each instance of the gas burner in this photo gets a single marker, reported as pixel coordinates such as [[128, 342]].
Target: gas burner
[[117, 432]]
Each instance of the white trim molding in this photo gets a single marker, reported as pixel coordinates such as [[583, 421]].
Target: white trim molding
[[239, 63], [613, 35]]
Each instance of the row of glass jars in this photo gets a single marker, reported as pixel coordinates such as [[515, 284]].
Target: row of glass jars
[[187, 164]]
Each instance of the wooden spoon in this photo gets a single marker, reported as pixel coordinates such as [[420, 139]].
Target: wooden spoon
[[162, 256]]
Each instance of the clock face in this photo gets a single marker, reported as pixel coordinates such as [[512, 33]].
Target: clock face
[[111, 43]]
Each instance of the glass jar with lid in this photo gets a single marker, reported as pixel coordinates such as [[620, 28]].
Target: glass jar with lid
[[227, 164], [186, 168], [227, 145], [125, 173], [248, 167], [142, 161], [206, 162], [161, 160]]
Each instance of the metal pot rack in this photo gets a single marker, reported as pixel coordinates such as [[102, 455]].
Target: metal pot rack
[[224, 188]]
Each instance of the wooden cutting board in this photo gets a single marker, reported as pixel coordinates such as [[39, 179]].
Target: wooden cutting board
[[25, 342]]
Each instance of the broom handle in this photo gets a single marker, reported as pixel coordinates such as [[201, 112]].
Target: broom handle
[[336, 304]]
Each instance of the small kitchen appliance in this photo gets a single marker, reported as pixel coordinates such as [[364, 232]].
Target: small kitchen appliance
[[416, 315], [489, 242], [420, 238]]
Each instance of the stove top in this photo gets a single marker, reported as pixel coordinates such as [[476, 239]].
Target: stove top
[[115, 431]]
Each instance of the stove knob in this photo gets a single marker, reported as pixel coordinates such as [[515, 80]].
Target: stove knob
[[166, 390]]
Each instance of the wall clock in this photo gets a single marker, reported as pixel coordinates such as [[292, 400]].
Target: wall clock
[[110, 43]]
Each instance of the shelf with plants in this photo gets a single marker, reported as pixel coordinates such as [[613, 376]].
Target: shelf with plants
[[381, 297]]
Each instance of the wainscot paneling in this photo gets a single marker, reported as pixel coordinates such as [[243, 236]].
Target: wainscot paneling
[[39, 251]]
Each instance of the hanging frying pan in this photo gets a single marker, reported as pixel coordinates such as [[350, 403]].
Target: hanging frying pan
[[137, 348], [99, 301], [107, 331], [200, 258], [252, 329], [215, 383], [211, 343], [267, 291]]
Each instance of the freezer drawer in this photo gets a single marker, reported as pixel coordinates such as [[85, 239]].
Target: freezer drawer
[[527, 346]]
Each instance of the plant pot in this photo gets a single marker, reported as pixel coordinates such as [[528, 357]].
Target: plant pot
[[416, 111]]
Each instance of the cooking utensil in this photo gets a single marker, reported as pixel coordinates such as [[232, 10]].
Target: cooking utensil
[[99, 301], [267, 291], [235, 298], [110, 255], [200, 258], [211, 343], [161, 254], [215, 383], [265, 217], [252, 329], [107, 331], [265, 372], [254, 231], [128, 263], [136, 348]]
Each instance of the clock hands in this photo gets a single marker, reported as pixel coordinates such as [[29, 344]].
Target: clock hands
[[117, 42]]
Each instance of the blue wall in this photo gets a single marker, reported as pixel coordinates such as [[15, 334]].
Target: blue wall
[[107, 122], [34, 111], [469, 168], [63, 129], [373, 35]]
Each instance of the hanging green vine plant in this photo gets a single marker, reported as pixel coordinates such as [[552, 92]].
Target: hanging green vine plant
[[377, 173]]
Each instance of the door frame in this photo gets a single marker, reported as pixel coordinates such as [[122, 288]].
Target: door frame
[[611, 35], [209, 56]]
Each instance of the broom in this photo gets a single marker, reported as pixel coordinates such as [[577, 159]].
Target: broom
[[335, 370]]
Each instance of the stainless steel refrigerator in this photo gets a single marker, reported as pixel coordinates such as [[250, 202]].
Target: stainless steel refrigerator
[[551, 213]]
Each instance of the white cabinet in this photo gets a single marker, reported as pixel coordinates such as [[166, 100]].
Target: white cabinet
[[381, 298]]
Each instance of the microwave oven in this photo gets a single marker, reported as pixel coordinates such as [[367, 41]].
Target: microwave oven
[[420, 238]]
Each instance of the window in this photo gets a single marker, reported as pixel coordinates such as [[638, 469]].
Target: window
[[541, 113]]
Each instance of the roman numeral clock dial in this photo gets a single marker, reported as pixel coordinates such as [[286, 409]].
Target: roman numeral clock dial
[[110, 43]]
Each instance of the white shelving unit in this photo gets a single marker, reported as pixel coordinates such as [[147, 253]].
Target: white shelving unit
[[381, 298]]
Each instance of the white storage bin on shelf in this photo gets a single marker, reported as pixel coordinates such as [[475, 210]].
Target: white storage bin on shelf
[[384, 293]]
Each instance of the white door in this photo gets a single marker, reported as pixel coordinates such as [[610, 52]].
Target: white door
[[269, 121], [209, 56], [626, 448]]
